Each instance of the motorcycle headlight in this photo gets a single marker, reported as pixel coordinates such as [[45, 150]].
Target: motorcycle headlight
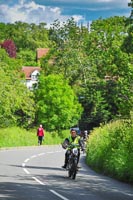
[[75, 151]]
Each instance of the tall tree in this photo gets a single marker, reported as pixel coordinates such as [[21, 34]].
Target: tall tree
[[97, 56], [68, 55], [112, 69], [127, 45], [17, 102], [57, 104], [130, 4]]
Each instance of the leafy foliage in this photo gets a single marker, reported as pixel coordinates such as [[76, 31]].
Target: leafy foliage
[[17, 104], [130, 4], [57, 105], [27, 57], [97, 63], [10, 48], [96, 66], [109, 150]]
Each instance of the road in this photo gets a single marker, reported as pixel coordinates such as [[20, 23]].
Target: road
[[35, 173]]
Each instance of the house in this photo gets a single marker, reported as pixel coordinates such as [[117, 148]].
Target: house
[[31, 73], [31, 76], [41, 52]]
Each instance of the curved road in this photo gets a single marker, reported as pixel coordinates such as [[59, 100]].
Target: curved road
[[35, 173]]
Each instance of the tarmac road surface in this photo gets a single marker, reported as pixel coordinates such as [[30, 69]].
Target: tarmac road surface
[[35, 173]]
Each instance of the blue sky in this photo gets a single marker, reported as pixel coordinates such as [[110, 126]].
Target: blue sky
[[37, 11]]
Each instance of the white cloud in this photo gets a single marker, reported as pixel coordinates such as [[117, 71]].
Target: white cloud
[[32, 6], [78, 18], [32, 12], [56, 10], [12, 13]]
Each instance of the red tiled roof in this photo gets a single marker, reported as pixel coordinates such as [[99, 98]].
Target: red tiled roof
[[42, 52], [29, 70]]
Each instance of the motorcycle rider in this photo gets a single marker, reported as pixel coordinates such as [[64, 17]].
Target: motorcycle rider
[[74, 140]]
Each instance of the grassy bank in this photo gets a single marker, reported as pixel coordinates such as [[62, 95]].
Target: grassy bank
[[110, 150], [15, 136]]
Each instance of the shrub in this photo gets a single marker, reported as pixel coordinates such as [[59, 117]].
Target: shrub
[[109, 150]]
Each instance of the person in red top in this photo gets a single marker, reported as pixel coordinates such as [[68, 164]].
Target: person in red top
[[40, 134]]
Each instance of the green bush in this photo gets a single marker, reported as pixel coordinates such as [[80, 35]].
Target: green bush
[[109, 150]]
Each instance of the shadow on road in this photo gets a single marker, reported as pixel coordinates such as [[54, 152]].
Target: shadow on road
[[23, 191]]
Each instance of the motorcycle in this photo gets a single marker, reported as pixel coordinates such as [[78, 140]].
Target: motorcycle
[[72, 165], [73, 154]]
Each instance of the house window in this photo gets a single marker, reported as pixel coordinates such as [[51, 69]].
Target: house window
[[34, 77]]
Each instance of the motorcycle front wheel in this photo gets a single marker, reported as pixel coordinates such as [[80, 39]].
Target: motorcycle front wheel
[[74, 169], [69, 169]]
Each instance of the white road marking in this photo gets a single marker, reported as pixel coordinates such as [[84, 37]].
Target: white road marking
[[27, 160], [26, 171], [41, 154], [34, 156], [57, 194], [36, 179]]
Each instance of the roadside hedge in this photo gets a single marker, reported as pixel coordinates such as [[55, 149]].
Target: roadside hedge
[[110, 150]]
